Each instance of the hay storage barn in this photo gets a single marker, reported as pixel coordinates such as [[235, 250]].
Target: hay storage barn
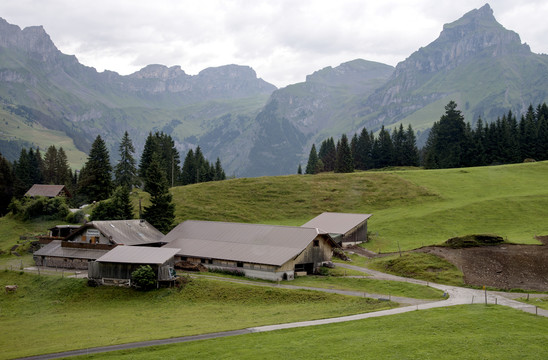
[[93, 240], [49, 191], [259, 251], [346, 229], [115, 267]]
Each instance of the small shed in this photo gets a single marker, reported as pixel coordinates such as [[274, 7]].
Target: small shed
[[61, 254], [49, 191], [116, 266], [345, 228]]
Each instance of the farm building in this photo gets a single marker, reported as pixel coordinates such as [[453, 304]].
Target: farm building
[[58, 232], [93, 240], [116, 266], [49, 191], [345, 229], [259, 251]]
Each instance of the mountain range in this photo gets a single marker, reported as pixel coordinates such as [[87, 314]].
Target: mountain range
[[47, 97]]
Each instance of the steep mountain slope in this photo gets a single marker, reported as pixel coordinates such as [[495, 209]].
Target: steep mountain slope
[[39, 85], [476, 62], [301, 114]]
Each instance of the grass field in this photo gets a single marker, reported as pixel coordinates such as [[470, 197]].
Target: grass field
[[460, 332], [50, 313], [411, 208]]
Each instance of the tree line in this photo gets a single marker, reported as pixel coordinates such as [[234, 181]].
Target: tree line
[[451, 143], [365, 151], [98, 181]]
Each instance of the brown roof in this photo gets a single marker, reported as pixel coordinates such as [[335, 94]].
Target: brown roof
[[337, 223], [138, 255], [125, 232], [54, 249], [260, 244], [46, 190]]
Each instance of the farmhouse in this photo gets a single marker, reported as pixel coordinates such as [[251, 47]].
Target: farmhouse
[[345, 229], [95, 239], [116, 266], [49, 191], [259, 251]]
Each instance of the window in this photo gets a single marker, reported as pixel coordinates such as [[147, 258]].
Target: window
[[240, 264], [316, 243]]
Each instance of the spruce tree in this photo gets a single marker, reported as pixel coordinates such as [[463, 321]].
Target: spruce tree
[[299, 170], [411, 152], [188, 172], [6, 184], [161, 212], [345, 161], [125, 171], [50, 165], [312, 165], [95, 182]]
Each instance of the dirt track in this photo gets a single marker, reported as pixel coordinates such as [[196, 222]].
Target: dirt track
[[502, 266]]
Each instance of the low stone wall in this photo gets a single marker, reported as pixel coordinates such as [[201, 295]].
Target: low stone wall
[[63, 263]]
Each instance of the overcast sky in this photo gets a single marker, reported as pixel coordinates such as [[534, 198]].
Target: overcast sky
[[283, 40]]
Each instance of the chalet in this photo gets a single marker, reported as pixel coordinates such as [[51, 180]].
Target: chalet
[[93, 240], [259, 251], [116, 266], [345, 229], [49, 191]]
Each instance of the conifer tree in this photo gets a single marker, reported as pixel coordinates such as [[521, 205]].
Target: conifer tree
[[95, 181], [312, 165], [188, 172], [161, 212], [125, 171], [6, 184], [345, 161], [411, 152], [299, 170]]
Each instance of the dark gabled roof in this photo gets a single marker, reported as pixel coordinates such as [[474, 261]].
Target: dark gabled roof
[[54, 249], [260, 244], [124, 232], [46, 190], [138, 255], [337, 223]]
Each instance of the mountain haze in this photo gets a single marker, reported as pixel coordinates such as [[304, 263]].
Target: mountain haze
[[253, 127]]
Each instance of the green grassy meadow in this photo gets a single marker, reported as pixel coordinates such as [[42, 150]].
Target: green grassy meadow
[[50, 313], [458, 332], [411, 208]]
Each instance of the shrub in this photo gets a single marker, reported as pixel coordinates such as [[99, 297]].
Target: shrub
[[40, 207], [143, 278], [77, 217], [473, 240], [235, 272]]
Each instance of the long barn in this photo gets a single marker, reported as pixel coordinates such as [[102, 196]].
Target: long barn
[[259, 251]]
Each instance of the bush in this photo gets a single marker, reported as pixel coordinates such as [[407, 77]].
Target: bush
[[77, 217], [143, 278], [473, 240], [40, 207], [235, 272]]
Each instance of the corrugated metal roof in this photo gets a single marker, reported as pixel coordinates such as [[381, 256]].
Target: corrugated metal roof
[[337, 223], [126, 232], [45, 190], [138, 255], [260, 244], [54, 249]]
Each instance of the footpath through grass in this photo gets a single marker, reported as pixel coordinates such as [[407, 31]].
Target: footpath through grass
[[50, 314], [458, 332]]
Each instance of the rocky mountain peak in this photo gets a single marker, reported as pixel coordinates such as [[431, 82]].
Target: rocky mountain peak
[[161, 72], [32, 40]]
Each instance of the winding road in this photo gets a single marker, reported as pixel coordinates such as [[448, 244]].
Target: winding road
[[457, 296]]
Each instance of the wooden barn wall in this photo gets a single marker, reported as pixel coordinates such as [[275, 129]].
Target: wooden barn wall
[[312, 254], [60, 262], [357, 235]]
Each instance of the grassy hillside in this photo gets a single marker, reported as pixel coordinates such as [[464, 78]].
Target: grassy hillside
[[409, 207], [460, 332]]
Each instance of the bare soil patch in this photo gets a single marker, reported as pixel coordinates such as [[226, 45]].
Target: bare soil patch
[[504, 266]]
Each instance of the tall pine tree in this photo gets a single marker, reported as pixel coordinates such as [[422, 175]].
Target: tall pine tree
[[161, 212], [95, 181], [125, 172]]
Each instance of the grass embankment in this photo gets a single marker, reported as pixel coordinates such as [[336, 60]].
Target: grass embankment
[[50, 314], [411, 208], [459, 332], [421, 266], [539, 302]]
